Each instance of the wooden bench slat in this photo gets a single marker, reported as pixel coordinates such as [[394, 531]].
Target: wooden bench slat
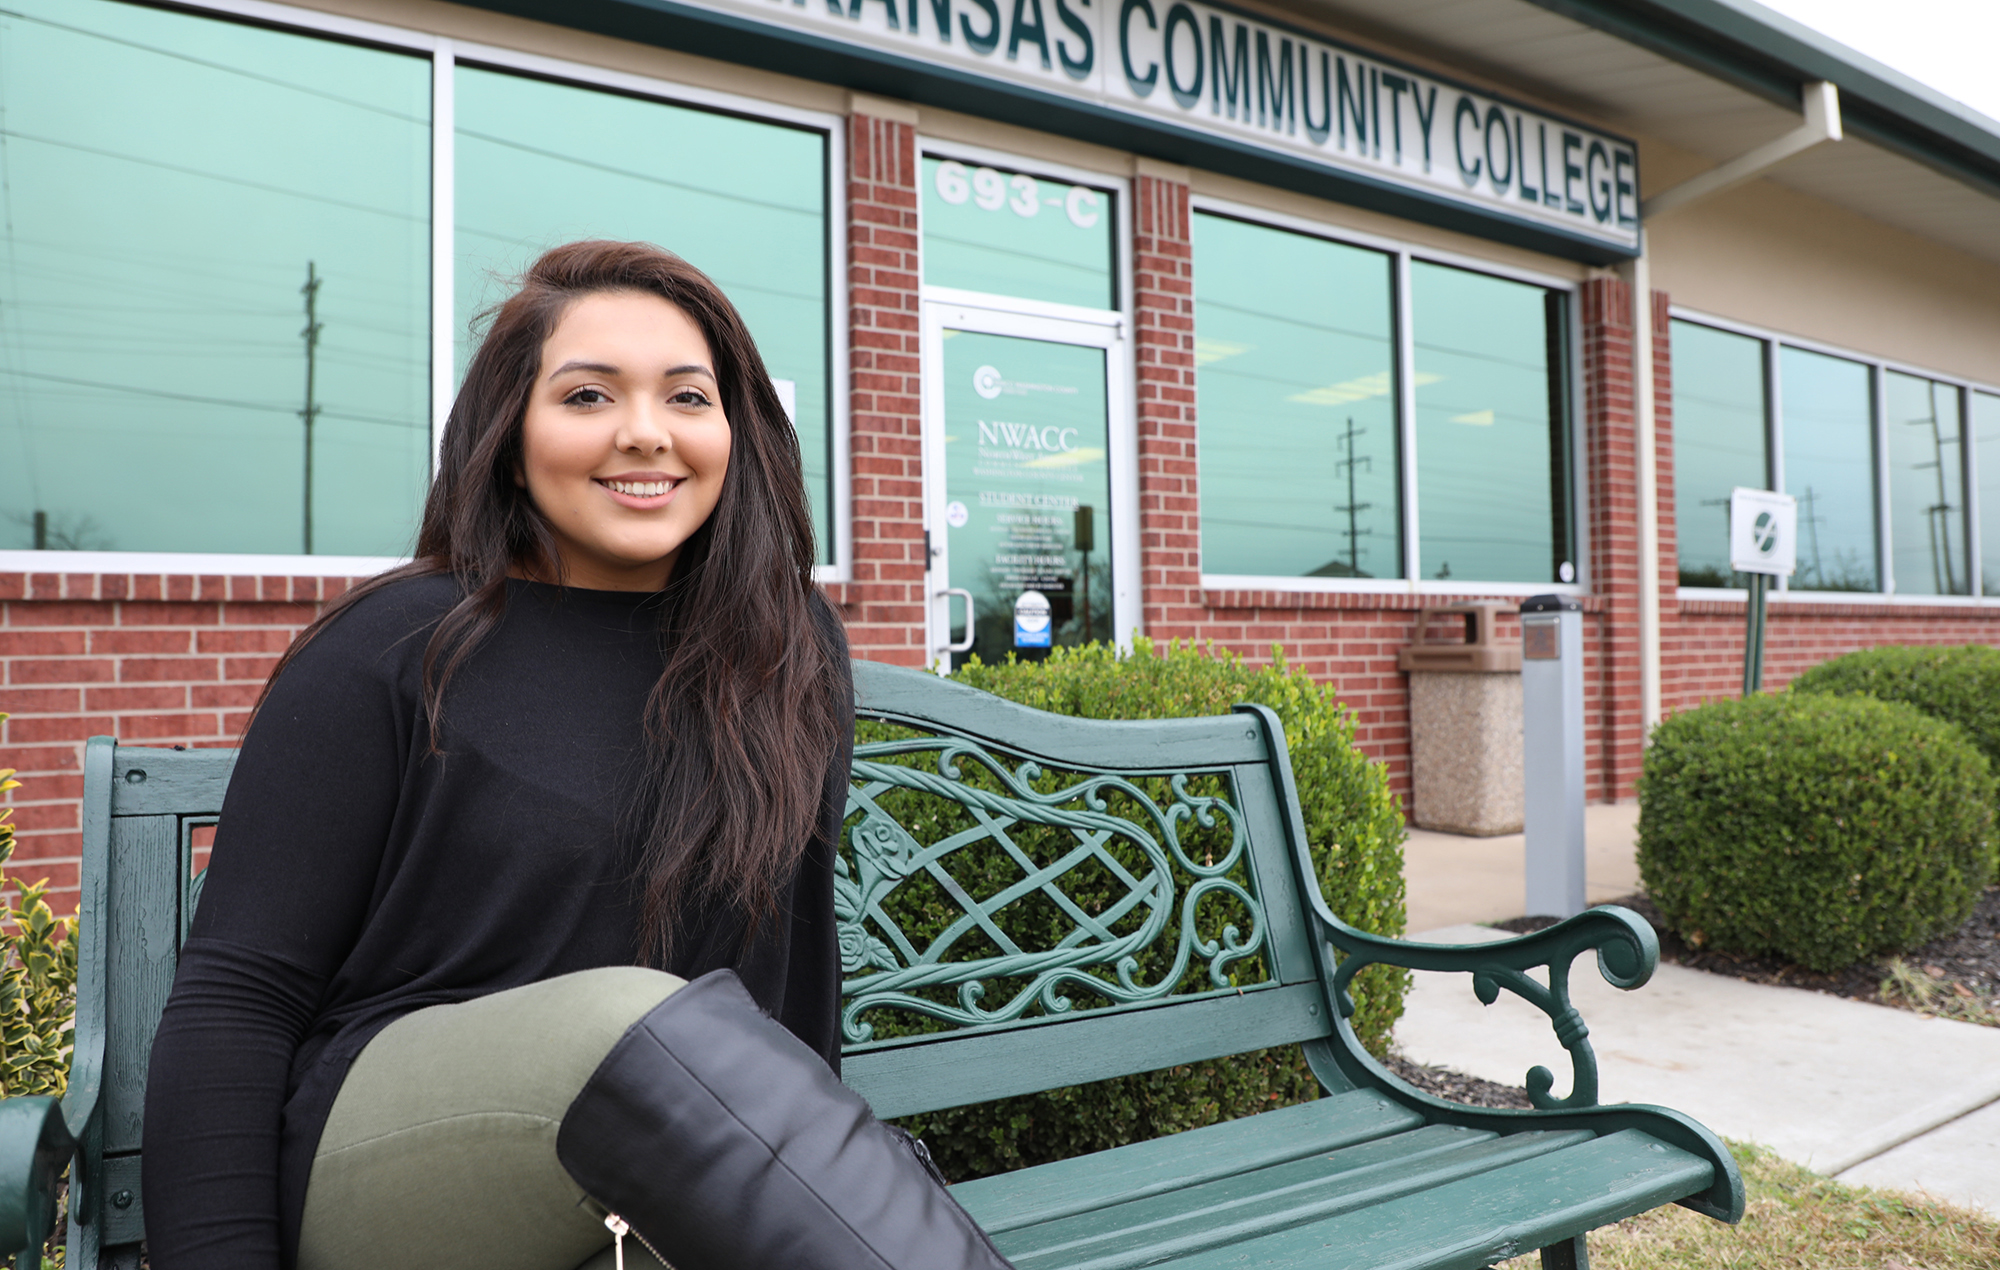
[[1093, 1182], [143, 947], [159, 782], [1023, 1060], [123, 1224], [1480, 1220], [1228, 1211]]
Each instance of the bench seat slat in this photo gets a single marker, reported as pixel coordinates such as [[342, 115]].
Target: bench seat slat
[[976, 1067], [1232, 1210], [1089, 1183], [1480, 1220]]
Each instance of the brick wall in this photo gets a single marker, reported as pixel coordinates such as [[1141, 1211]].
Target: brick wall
[[148, 659], [1163, 322], [884, 601], [1701, 641]]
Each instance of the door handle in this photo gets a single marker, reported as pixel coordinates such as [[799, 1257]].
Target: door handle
[[967, 645]]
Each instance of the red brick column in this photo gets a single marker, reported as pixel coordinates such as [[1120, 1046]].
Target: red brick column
[[1615, 733], [1612, 732], [149, 659], [1163, 304], [884, 600]]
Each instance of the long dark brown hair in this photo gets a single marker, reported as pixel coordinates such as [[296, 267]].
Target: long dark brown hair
[[742, 723]]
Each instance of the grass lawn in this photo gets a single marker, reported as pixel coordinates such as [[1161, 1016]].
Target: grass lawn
[[1798, 1220]]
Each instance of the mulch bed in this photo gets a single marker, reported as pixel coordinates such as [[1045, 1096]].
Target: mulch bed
[[1442, 1082], [1970, 956]]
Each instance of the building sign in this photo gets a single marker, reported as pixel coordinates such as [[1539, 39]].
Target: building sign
[[1256, 83]]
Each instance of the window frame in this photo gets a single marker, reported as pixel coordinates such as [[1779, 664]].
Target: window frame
[[1401, 253], [1878, 371], [444, 54]]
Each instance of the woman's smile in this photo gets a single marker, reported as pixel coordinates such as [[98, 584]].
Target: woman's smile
[[640, 491]]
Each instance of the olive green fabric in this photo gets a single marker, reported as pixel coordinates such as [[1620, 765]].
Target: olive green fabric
[[441, 1148]]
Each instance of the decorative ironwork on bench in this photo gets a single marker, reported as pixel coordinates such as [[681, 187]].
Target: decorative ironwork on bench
[[886, 970]]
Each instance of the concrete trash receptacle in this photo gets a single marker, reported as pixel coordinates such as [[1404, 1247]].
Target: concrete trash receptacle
[[1465, 726]]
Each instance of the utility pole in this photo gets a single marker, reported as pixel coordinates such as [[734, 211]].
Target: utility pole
[[311, 336], [1353, 508]]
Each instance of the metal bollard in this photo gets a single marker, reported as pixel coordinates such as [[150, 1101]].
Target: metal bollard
[[1552, 753]]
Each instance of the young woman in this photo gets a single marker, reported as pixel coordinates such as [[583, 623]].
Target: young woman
[[519, 928]]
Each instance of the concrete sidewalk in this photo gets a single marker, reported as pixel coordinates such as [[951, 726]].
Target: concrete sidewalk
[[1870, 1094]]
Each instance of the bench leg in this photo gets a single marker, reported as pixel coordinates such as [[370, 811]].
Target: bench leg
[[1570, 1254]]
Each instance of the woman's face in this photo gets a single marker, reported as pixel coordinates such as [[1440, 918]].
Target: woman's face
[[624, 446]]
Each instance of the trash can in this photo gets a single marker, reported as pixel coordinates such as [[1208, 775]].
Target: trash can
[[1465, 725]]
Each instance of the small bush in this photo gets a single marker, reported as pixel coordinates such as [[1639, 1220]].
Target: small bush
[[1825, 829], [37, 979], [1355, 829]]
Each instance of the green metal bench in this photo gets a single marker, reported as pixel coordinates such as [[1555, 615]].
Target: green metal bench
[[1170, 857]]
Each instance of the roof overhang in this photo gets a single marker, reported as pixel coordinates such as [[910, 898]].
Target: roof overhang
[[1718, 78]]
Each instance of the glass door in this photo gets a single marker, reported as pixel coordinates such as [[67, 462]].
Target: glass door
[[1025, 545]]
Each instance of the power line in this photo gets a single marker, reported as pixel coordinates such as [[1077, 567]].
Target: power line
[[273, 408], [215, 176]]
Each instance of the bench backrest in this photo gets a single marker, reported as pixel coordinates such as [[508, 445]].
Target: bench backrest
[[1004, 872], [1159, 863]]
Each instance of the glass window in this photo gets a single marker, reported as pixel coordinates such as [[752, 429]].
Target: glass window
[[1828, 426], [1926, 486], [540, 163], [1493, 470], [214, 285], [1015, 234], [1719, 406], [1986, 435], [1294, 338]]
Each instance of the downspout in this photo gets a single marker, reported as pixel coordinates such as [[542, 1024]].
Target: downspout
[[1821, 102]]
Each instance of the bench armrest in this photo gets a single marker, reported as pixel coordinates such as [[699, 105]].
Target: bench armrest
[[1627, 953], [35, 1144]]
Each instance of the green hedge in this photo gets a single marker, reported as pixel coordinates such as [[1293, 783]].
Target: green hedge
[[1356, 832], [1959, 685], [1822, 828]]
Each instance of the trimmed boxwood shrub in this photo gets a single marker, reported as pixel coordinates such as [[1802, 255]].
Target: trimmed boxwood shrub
[[1355, 828], [1825, 829], [1957, 684]]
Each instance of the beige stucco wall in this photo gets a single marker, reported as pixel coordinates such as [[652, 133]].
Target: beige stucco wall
[[1774, 257]]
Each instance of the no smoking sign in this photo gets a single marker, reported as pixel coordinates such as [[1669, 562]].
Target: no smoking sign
[[1763, 532]]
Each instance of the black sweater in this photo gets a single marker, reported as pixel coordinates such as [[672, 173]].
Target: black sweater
[[357, 877]]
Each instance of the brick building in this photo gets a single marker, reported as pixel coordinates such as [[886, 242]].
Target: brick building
[[1261, 325]]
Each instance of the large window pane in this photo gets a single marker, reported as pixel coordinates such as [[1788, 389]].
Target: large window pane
[[1718, 443], [1986, 435], [1493, 473], [171, 187], [1296, 387], [745, 201], [1016, 234], [1829, 447], [1926, 486]]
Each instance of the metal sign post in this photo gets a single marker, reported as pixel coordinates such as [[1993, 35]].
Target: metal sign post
[[1552, 753], [1763, 544]]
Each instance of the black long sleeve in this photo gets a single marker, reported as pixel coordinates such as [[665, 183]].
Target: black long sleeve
[[358, 876]]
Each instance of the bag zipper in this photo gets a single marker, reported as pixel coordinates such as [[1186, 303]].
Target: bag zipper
[[620, 1228]]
